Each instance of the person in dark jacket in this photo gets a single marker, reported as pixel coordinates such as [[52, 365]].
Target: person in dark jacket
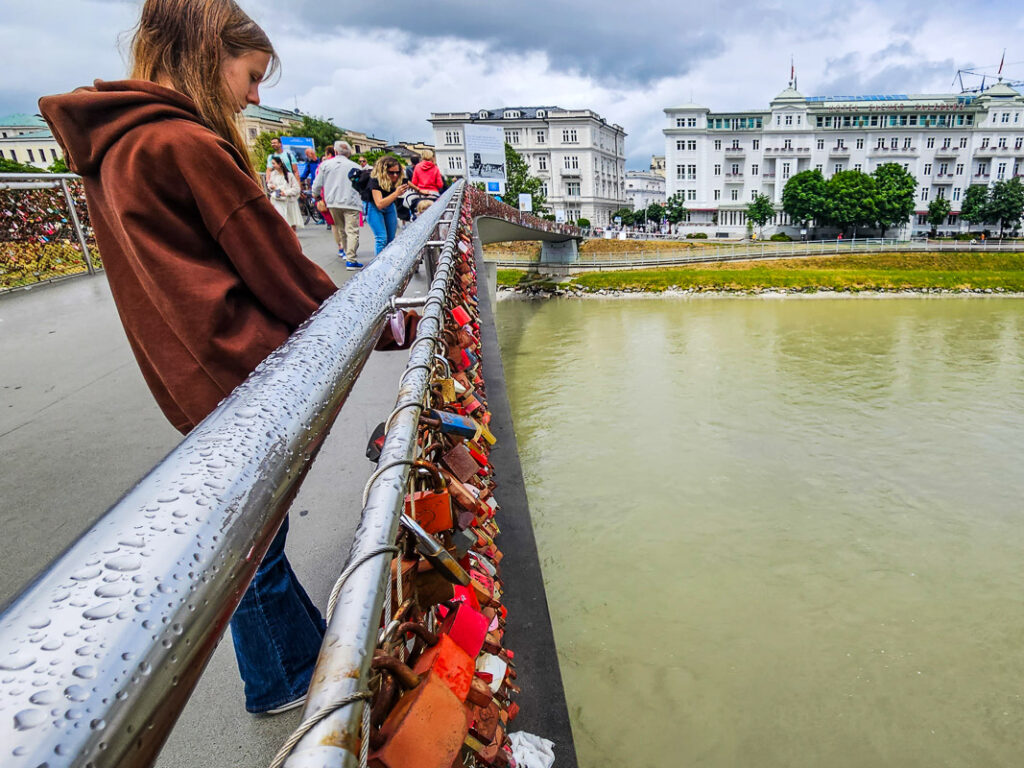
[[208, 279]]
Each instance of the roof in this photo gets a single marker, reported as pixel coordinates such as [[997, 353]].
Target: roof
[[22, 120], [789, 93], [260, 112], [526, 112], [43, 134], [1000, 91], [688, 107]]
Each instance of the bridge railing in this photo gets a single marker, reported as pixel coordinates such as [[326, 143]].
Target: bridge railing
[[99, 654], [485, 205], [46, 233]]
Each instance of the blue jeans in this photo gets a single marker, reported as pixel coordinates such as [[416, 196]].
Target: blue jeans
[[277, 633], [383, 223]]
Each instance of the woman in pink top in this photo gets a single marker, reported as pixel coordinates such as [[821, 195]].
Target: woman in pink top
[[426, 178]]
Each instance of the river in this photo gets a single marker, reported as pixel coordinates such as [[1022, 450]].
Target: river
[[779, 532]]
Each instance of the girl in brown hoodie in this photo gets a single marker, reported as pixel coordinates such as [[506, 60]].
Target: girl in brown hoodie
[[207, 277]]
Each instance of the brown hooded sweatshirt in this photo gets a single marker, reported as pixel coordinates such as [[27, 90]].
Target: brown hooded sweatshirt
[[208, 278]]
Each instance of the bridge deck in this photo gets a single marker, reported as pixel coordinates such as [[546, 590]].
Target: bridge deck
[[78, 427]]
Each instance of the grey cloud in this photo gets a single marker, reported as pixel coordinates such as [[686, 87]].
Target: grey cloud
[[894, 78]]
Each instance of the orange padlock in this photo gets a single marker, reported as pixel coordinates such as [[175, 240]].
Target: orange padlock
[[448, 661], [432, 509], [426, 729]]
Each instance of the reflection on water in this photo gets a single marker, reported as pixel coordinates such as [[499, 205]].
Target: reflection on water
[[779, 532]]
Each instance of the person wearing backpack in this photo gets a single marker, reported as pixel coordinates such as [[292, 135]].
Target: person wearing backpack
[[343, 201]]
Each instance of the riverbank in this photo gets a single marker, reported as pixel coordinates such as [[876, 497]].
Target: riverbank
[[899, 273]]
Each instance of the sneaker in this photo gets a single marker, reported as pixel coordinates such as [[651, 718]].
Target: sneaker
[[286, 707], [341, 254], [353, 265]]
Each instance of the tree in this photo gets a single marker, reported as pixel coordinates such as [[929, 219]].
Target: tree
[[58, 166], [975, 207], [322, 132], [10, 166], [850, 200], [760, 211], [675, 208], [803, 197], [625, 214], [518, 181], [655, 212], [1006, 203], [938, 210], [894, 195]]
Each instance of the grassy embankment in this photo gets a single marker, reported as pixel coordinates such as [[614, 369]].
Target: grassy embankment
[[854, 272]]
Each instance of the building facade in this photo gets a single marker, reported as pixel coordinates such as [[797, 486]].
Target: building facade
[[658, 165], [257, 119], [644, 188], [27, 139], [721, 160], [579, 156]]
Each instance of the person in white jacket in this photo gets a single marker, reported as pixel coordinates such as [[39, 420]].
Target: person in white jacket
[[284, 192], [342, 200]]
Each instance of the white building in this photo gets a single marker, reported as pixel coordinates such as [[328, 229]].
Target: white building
[[722, 160], [578, 155], [644, 188], [27, 139]]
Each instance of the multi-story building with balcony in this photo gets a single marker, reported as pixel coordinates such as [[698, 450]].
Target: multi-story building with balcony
[[644, 188], [720, 161], [578, 155]]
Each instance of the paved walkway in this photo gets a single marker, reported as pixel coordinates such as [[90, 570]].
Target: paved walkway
[[78, 427]]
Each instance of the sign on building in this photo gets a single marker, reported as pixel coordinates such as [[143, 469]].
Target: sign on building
[[560, 215], [526, 202], [485, 156]]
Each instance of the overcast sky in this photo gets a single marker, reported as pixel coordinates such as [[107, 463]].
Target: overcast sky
[[383, 67]]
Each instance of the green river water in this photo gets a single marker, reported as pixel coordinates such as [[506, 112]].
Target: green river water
[[779, 532]]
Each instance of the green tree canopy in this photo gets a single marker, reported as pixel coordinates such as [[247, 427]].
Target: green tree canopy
[[675, 208], [760, 211], [851, 200], [518, 181], [655, 212], [626, 214], [894, 195], [10, 166], [938, 210], [1006, 203], [803, 197], [975, 207]]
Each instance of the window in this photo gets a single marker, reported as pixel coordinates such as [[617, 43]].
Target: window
[[860, 143], [718, 170], [754, 169], [906, 143], [1001, 171], [735, 144], [680, 122], [541, 136], [680, 171], [894, 143], [1002, 142], [959, 169], [787, 144], [837, 168], [31, 157], [840, 144], [922, 219], [691, 172], [943, 169], [512, 114], [821, 143], [984, 143], [569, 136], [691, 122], [956, 193], [680, 145], [856, 166], [512, 136], [1, 154], [735, 169], [753, 195], [571, 162], [940, 194], [718, 143], [691, 145], [818, 167], [14, 155], [983, 169], [455, 163], [880, 144], [572, 189], [1006, 117], [452, 137], [789, 119], [756, 144], [252, 134], [735, 194], [924, 193], [927, 169], [691, 194], [963, 142], [785, 170], [1017, 143], [718, 194], [778, 119], [930, 143], [544, 188], [542, 162]]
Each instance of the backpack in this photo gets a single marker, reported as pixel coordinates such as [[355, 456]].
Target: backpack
[[360, 178]]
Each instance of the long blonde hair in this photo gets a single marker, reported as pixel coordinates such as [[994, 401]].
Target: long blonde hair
[[185, 42], [380, 169]]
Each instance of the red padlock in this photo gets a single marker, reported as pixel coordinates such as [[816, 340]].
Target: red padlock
[[448, 661], [467, 627], [432, 509], [460, 315]]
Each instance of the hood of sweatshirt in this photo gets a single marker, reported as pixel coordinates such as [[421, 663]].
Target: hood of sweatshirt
[[426, 165], [88, 121]]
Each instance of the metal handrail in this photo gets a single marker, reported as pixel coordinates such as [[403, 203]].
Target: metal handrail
[[100, 653]]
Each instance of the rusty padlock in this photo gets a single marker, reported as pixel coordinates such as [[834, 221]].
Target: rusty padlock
[[460, 462]]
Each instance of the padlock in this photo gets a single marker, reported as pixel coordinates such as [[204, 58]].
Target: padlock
[[460, 315], [480, 693], [460, 462], [433, 508], [436, 554], [466, 626], [484, 721], [450, 423], [493, 668], [426, 728], [448, 661]]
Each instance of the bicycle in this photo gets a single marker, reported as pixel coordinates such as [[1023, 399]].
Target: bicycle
[[307, 205]]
